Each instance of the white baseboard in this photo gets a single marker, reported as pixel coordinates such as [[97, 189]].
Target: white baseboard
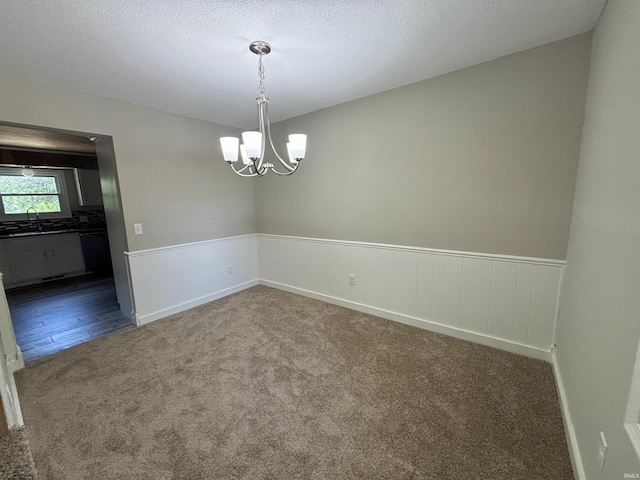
[[150, 317], [498, 343], [572, 440]]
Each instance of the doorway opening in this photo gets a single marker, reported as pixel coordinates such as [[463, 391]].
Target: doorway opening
[[62, 238]]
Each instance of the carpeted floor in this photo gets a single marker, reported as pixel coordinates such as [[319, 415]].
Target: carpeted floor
[[264, 384], [16, 462]]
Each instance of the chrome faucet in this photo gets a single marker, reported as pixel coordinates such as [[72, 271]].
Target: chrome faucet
[[37, 218]]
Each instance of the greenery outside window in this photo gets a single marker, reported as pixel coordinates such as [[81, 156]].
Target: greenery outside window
[[45, 191]]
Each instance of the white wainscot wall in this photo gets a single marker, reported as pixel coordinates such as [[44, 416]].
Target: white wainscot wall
[[172, 279], [501, 301]]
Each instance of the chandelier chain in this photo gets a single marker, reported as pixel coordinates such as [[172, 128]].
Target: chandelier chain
[[261, 74]]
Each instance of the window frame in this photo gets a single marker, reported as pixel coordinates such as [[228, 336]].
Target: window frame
[[63, 194]]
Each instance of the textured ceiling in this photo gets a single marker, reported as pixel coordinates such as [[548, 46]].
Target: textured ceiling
[[191, 57]]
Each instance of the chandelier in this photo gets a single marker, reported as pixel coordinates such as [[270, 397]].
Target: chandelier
[[253, 149]]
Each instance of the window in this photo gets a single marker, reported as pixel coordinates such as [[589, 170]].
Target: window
[[45, 191]]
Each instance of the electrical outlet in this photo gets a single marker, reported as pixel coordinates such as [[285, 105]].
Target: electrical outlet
[[137, 228], [602, 451], [352, 279], [229, 269]]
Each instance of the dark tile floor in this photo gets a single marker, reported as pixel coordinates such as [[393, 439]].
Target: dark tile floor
[[56, 315]]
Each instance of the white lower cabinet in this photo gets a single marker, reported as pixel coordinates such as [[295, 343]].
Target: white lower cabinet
[[40, 257], [66, 257], [29, 261]]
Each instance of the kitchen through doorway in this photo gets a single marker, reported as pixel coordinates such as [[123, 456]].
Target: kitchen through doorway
[[55, 253]]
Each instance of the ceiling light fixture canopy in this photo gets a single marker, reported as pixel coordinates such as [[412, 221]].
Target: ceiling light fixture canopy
[[253, 149]]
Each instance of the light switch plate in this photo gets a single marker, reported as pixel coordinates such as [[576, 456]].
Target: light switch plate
[[137, 228]]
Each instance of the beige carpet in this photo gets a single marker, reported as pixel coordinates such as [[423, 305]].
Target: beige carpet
[[264, 384], [16, 462]]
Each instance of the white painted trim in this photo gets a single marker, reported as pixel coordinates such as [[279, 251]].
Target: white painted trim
[[10, 399], [462, 334], [569, 430], [11, 362], [180, 246], [132, 314], [450, 253], [632, 416], [11, 350], [15, 362], [150, 317], [563, 274]]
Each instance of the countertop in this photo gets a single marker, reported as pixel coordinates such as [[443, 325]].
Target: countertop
[[52, 232]]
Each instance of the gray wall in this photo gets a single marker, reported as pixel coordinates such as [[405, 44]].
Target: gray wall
[[599, 326], [483, 159], [168, 168], [171, 174]]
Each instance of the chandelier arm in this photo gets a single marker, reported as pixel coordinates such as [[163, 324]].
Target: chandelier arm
[[242, 169], [239, 172], [284, 174], [284, 164]]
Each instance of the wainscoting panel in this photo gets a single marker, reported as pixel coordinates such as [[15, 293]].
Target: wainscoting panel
[[172, 279], [476, 295], [502, 301], [452, 291], [524, 289]]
